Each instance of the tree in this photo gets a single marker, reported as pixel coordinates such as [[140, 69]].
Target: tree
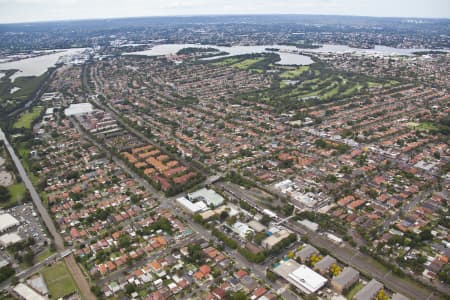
[[271, 275], [5, 195], [335, 270], [372, 193], [6, 273], [426, 235], [224, 215], [382, 295], [237, 296]]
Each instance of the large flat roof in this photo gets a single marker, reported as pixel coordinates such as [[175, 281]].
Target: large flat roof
[[7, 221], [207, 195], [78, 108], [301, 276], [192, 207], [9, 239], [27, 293]]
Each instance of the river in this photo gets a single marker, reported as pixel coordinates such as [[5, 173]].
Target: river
[[37, 65], [287, 55]]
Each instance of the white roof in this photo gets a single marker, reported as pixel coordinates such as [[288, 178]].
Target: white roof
[[241, 229], [27, 293], [78, 108], [207, 195], [192, 207], [7, 221], [308, 279], [9, 239]]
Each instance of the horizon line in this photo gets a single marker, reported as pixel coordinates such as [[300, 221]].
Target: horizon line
[[217, 15]]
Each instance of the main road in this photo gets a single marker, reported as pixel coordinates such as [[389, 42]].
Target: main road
[[77, 274]]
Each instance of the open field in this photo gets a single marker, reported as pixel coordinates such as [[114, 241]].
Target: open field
[[247, 63], [226, 61], [17, 191], [424, 126], [313, 84], [59, 281], [291, 74], [27, 118]]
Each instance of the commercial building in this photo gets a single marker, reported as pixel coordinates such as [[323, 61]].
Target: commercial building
[[7, 222], [345, 279], [369, 292], [256, 226], [274, 239], [9, 239], [323, 266], [310, 225], [27, 293], [210, 197], [300, 276], [78, 108], [191, 207], [242, 229]]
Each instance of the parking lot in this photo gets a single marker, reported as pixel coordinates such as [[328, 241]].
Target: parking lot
[[30, 225]]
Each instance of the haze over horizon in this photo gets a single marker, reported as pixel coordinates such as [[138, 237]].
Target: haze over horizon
[[17, 11]]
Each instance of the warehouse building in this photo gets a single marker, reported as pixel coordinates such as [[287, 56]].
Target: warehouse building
[[9, 239], [210, 197], [27, 293], [300, 276], [191, 207], [7, 222]]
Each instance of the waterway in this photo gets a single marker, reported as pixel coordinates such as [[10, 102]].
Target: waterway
[[37, 65], [290, 55]]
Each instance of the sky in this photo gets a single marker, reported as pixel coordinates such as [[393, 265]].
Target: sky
[[13, 11]]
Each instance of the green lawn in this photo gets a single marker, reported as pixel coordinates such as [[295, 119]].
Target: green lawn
[[59, 281], [24, 153], [43, 255], [426, 126], [290, 74], [354, 290], [17, 192], [226, 61], [247, 63], [27, 118], [28, 86]]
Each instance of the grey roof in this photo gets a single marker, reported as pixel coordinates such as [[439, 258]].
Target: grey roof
[[307, 251], [398, 296], [369, 291], [325, 263], [207, 195], [346, 276], [249, 283]]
